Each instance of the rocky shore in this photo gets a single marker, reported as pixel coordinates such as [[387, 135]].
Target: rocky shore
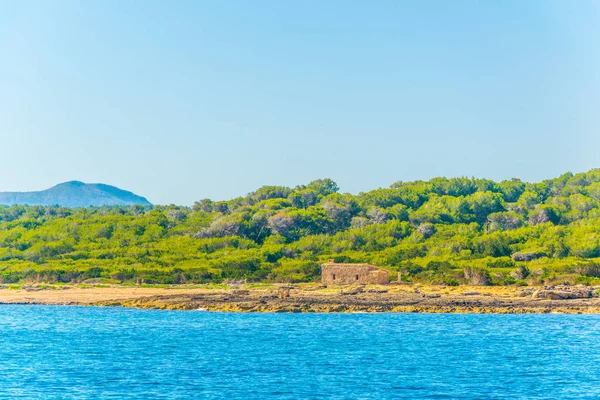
[[428, 299], [305, 298]]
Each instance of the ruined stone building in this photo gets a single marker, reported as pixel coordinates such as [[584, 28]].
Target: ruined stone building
[[344, 274]]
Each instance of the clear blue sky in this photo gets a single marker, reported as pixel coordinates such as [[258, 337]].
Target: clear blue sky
[[183, 100]]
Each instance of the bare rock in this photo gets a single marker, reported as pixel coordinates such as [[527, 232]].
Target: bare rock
[[374, 290], [351, 291], [284, 293], [557, 295], [527, 256], [565, 292]]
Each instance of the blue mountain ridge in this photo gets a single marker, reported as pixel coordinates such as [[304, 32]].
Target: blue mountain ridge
[[75, 194]]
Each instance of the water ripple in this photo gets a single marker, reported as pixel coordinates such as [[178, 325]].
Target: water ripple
[[112, 353]]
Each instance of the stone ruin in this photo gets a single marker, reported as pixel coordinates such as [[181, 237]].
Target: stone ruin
[[333, 273]]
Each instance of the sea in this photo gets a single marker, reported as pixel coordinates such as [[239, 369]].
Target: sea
[[68, 352]]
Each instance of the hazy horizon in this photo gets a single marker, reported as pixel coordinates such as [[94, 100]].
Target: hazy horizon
[[178, 103]]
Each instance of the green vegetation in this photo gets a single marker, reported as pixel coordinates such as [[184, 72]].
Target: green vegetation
[[447, 231]]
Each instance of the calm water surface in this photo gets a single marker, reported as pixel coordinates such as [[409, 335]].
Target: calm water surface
[[49, 352]]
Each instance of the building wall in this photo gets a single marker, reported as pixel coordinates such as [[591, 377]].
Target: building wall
[[337, 275], [379, 276]]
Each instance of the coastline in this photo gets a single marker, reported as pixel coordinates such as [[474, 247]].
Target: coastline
[[314, 298]]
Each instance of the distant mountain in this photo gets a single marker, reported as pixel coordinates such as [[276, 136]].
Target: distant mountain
[[75, 194]]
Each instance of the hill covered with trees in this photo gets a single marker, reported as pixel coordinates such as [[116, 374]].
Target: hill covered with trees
[[446, 231]]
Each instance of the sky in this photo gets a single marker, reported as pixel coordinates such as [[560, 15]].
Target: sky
[[179, 101]]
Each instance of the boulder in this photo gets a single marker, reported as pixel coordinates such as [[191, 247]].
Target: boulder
[[557, 295]]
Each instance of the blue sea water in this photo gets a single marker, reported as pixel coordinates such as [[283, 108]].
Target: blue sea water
[[51, 352]]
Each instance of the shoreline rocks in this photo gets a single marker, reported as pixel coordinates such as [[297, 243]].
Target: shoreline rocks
[[564, 292], [546, 300]]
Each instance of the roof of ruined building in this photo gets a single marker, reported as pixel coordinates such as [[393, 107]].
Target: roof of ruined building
[[348, 265]]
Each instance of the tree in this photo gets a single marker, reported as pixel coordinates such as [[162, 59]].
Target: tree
[[503, 221], [205, 205], [324, 187]]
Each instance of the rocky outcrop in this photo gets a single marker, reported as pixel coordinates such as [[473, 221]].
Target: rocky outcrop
[[563, 292], [527, 256], [351, 291], [364, 301], [314, 298]]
